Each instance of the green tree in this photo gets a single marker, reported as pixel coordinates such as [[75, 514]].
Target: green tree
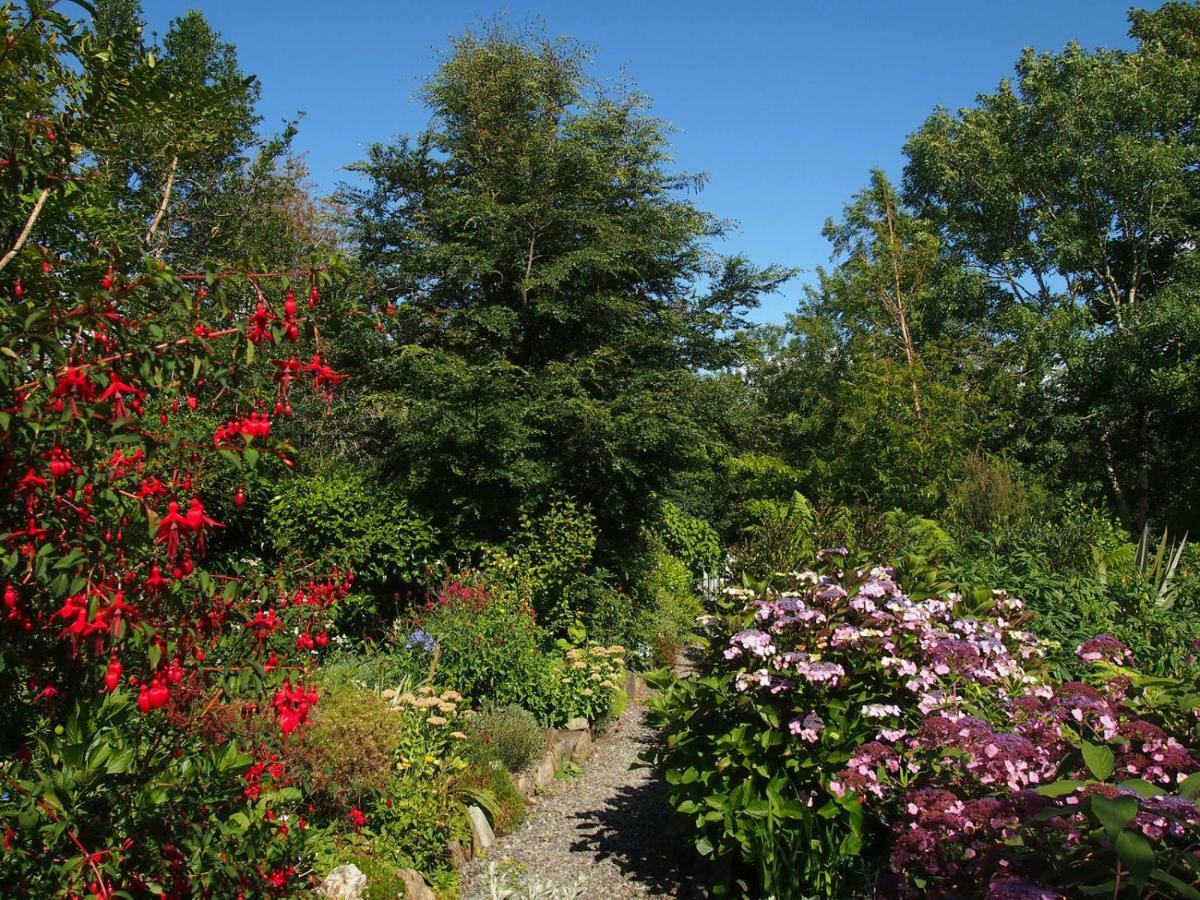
[[1075, 189], [547, 291], [878, 380]]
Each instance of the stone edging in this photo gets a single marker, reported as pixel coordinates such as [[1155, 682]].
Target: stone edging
[[574, 742]]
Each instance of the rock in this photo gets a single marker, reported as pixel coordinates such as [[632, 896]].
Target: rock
[[582, 751], [344, 883], [579, 723], [562, 750], [574, 745], [415, 887], [457, 854], [543, 770], [482, 836], [525, 783], [635, 686]]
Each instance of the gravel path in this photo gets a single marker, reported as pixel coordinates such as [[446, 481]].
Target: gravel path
[[604, 833]]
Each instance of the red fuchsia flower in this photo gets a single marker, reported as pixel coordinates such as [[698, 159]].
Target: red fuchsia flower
[[293, 705], [261, 324], [31, 482], [170, 528], [112, 675], [60, 462], [357, 819], [116, 392], [73, 385]]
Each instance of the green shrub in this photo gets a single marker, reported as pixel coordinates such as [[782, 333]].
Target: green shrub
[[614, 618], [776, 536], [989, 495], [585, 682], [347, 717], [689, 539], [337, 516], [549, 557], [510, 734], [487, 647]]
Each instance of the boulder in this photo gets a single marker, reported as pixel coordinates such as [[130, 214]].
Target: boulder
[[457, 854], [582, 751], [344, 883], [579, 723], [524, 783], [544, 769], [482, 836], [415, 887]]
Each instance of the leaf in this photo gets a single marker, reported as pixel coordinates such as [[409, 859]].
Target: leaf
[[1135, 851], [1189, 785], [1182, 888], [119, 763], [1059, 788], [1114, 813], [1099, 760]]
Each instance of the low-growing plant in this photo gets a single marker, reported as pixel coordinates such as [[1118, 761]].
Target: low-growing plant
[[510, 734], [491, 777], [584, 683], [337, 780]]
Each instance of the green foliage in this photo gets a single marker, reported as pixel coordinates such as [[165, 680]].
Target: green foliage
[[106, 774], [691, 540], [508, 804], [667, 607], [989, 496], [776, 536], [548, 562], [508, 734], [1102, 344], [346, 518], [586, 681], [560, 296], [490, 650]]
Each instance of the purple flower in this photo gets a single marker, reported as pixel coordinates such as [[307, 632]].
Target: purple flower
[[752, 641], [808, 728], [1104, 647], [422, 639]]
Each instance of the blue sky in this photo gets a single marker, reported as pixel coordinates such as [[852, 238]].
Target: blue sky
[[786, 105]]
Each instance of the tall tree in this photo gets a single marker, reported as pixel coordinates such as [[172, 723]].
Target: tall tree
[[548, 288], [1076, 189]]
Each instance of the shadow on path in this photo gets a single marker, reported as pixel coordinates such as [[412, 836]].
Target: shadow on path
[[634, 829]]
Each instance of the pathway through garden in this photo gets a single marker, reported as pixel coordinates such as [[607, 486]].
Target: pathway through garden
[[604, 833]]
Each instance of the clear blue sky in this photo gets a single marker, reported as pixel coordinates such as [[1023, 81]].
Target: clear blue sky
[[787, 105]]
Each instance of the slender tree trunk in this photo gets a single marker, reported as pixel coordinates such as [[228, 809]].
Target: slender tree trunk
[[1143, 473], [910, 353], [1114, 479]]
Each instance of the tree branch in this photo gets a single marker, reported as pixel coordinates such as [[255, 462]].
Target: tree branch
[[162, 206], [24, 235]]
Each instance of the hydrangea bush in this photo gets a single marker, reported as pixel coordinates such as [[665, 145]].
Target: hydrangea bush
[[871, 729]]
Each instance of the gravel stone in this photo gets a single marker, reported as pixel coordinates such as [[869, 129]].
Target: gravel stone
[[607, 831]]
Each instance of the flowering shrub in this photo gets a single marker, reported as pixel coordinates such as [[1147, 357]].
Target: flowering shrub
[[585, 682], [483, 645], [870, 719], [120, 644]]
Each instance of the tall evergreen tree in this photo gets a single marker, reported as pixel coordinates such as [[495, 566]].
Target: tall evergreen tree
[[549, 290]]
